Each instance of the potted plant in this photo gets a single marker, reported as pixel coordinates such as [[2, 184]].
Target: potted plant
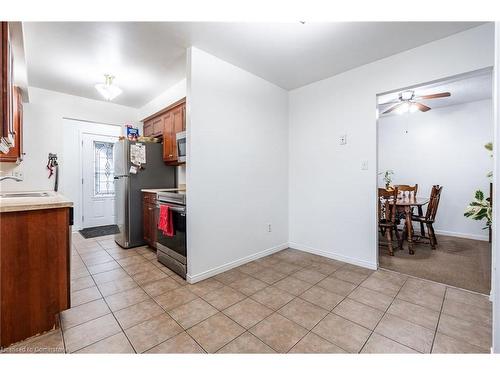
[[387, 178], [480, 207], [489, 147]]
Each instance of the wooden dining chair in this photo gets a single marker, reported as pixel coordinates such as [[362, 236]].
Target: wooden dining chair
[[387, 216], [430, 215], [407, 191]]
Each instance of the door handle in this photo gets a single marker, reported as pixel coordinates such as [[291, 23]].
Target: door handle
[[175, 209]]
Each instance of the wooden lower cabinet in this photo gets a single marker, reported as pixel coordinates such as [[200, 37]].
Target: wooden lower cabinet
[[34, 271], [149, 218]]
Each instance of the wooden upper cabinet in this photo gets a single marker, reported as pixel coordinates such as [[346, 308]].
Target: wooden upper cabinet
[[157, 127], [166, 124], [174, 125], [7, 87], [178, 114], [15, 153], [168, 138], [11, 107], [153, 127], [4, 84], [148, 128]]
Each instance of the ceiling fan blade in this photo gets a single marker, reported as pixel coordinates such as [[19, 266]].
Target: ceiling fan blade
[[434, 96], [422, 107], [390, 109], [391, 102]]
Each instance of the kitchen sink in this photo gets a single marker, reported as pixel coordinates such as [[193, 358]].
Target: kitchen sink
[[24, 195]]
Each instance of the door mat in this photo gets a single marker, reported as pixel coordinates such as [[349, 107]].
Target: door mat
[[104, 230]]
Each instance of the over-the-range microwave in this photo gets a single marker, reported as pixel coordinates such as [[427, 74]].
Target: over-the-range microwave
[[181, 146]]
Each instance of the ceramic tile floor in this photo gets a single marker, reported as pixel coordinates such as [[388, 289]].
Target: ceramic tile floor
[[124, 301]]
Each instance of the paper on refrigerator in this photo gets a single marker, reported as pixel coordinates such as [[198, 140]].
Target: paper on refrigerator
[[138, 154]]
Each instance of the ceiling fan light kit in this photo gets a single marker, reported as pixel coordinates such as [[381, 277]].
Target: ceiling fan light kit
[[407, 102], [406, 95]]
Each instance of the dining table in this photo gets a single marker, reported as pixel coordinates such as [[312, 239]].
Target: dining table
[[405, 204]]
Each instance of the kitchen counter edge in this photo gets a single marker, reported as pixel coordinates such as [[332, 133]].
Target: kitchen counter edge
[[54, 200]]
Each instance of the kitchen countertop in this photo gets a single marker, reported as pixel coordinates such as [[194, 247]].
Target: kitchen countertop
[[158, 190], [53, 200]]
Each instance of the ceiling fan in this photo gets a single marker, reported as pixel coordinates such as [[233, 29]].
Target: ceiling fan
[[407, 102]]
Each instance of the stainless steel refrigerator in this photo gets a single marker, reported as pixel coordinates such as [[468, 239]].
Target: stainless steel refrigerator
[[153, 174]]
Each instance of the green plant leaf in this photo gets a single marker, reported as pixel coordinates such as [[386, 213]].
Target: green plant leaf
[[479, 195]]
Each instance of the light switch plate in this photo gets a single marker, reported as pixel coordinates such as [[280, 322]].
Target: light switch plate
[[364, 165], [343, 139]]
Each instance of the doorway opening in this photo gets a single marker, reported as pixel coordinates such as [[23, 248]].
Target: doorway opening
[[98, 187], [87, 174], [434, 160]]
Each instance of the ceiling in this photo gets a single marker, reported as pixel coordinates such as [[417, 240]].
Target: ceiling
[[463, 89], [149, 57]]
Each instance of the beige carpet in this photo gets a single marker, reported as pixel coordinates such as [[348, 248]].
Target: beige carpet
[[456, 261]]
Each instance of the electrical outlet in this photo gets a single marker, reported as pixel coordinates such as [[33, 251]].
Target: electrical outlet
[[269, 228], [343, 140], [18, 174]]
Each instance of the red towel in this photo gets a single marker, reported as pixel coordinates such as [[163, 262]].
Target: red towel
[[165, 221]]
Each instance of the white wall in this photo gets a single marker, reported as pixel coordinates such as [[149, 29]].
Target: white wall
[[332, 201], [442, 147], [169, 96], [496, 196], [237, 165], [43, 133]]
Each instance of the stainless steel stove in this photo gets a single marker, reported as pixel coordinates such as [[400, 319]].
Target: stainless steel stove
[[172, 250], [172, 196]]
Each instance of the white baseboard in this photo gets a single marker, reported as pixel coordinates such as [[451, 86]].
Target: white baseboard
[[333, 255], [227, 266], [460, 235]]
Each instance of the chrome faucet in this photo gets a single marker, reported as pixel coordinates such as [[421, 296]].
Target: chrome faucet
[[11, 178]]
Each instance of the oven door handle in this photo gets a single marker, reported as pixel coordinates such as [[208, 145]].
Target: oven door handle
[[174, 208]]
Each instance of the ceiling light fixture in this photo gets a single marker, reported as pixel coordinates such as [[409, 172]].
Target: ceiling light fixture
[[107, 89], [407, 95], [403, 108], [413, 107], [407, 101]]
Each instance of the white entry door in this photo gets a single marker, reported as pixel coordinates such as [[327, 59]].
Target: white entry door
[[98, 180]]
